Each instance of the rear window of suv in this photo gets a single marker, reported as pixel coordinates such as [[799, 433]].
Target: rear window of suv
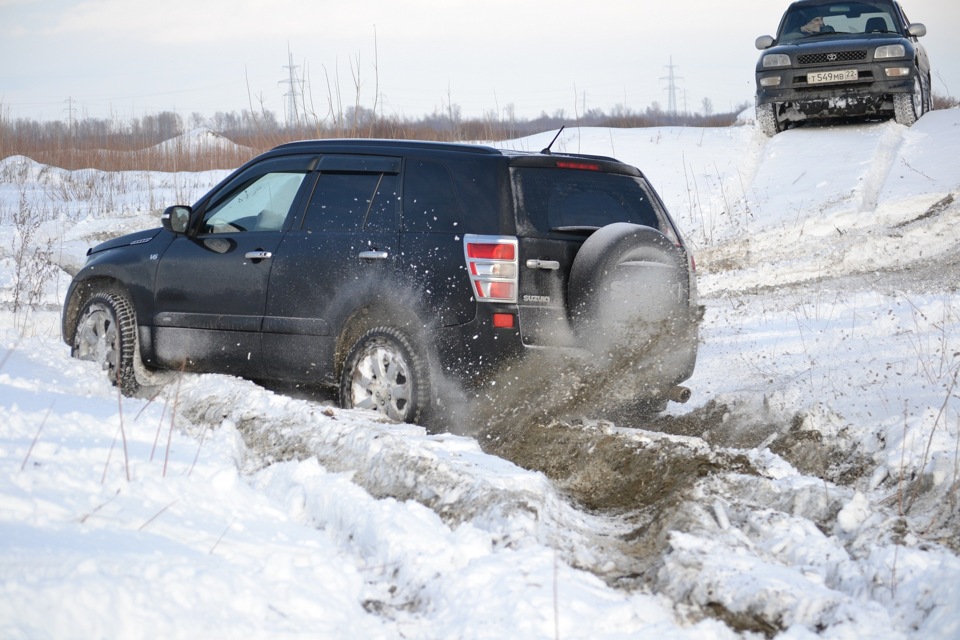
[[563, 200]]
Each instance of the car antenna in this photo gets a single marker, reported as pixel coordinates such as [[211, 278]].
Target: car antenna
[[546, 149]]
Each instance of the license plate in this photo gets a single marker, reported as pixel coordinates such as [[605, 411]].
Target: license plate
[[840, 75]]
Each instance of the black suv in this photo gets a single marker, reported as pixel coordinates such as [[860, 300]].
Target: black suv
[[835, 59], [387, 269]]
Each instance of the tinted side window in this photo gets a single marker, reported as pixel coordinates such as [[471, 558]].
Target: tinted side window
[[555, 199], [430, 199], [382, 215], [352, 201]]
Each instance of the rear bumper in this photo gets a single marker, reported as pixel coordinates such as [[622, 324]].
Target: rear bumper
[[655, 358]]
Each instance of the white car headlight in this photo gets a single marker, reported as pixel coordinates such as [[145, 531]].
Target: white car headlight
[[776, 60], [890, 51]]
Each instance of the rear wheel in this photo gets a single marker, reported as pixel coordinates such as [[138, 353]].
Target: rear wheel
[[106, 332], [384, 372], [634, 413]]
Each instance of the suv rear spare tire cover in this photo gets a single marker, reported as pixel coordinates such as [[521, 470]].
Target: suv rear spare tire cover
[[627, 277]]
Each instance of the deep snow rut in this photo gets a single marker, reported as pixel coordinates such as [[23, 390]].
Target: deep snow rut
[[607, 500], [597, 485]]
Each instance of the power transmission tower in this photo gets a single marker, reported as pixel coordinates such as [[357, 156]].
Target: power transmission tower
[[293, 109], [671, 79], [69, 102]]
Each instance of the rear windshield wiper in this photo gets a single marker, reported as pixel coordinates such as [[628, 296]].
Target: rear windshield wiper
[[575, 229]]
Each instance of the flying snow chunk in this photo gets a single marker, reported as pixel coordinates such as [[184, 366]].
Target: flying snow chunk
[[854, 513]]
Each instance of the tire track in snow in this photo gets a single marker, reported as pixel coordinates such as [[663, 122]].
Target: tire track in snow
[[449, 474], [884, 159], [569, 486], [648, 488]]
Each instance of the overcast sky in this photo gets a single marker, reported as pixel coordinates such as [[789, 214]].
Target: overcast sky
[[129, 58]]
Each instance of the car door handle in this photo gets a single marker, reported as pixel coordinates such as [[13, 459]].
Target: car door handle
[[258, 255], [373, 255], [549, 265]]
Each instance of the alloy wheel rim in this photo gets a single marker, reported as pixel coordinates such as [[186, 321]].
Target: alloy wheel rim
[[97, 337], [381, 382]]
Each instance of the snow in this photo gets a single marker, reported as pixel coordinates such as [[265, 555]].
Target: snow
[[823, 502]]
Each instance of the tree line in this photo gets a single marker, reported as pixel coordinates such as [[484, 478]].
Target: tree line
[[139, 143]]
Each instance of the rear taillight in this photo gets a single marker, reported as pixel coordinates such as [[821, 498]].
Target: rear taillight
[[493, 265]]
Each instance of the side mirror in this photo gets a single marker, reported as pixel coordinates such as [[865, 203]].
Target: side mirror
[[917, 30], [176, 218], [764, 42]]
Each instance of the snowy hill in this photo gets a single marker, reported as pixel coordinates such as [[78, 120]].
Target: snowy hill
[[811, 487], [199, 140]]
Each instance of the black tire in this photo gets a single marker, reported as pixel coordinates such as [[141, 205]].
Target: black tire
[[635, 413], [767, 120], [384, 372], [910, 107], [106, 332], [626, 274]]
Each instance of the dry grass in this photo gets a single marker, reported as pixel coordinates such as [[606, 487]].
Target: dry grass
[[125, 155], [111, 146]]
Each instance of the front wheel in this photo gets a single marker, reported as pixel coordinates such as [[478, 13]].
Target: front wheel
[[383, 372], [767, 119], [106, 332], [909, 107]]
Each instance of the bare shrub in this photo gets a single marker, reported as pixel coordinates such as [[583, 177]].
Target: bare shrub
[[33, 261], [940, 101]]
